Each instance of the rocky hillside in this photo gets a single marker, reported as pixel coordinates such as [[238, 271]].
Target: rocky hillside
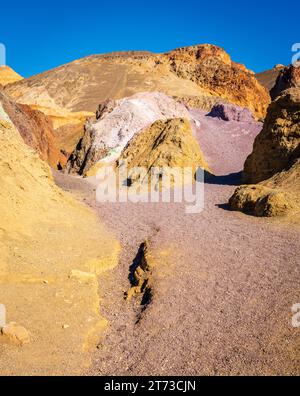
[[164, 144], [52, 248], [277, 146], [274, 162], [36, 130], [117, 122], [211, 68], [268, 78], [8, 76], [289, 77], [199, 74]]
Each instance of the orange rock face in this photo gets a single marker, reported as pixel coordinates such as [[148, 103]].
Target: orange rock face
[[36, 130], [213, 70]]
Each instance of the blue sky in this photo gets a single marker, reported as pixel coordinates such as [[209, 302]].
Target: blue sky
[[42, 35]]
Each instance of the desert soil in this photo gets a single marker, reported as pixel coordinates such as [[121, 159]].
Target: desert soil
[[223, 284]]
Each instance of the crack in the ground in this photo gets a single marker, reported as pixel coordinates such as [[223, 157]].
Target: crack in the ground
[[141, 277]]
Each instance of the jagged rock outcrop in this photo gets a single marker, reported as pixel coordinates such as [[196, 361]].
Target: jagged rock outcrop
[[213, 70], [36, 130], [118, 121], [199, 73], [8, 76], [229, 112], [289, 77], [277, 146], [165, 144], [42, 234], [274, 162]]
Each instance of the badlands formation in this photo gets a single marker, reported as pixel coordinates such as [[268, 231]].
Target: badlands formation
[[126, 288]]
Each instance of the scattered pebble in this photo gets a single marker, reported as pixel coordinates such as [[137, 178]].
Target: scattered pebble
[[15, 334]]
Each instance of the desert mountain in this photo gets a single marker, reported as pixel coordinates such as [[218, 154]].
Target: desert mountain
[[274, 162], [268, 78], [47, 279], [200, 75], [8, 76], [117, 122]]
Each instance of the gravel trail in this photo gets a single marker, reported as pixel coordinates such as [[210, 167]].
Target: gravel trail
[[223, 286]]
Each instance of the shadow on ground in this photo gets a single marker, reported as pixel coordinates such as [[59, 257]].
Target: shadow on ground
[[233, 179]]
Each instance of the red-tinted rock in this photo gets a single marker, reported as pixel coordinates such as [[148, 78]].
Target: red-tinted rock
[[36, 130]]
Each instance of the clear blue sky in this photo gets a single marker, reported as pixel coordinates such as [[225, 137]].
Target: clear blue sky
[[42, 35]]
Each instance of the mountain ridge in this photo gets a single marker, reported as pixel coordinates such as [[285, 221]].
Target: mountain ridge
[[192, 71]]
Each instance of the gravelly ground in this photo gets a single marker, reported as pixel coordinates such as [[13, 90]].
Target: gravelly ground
[[223, 287]]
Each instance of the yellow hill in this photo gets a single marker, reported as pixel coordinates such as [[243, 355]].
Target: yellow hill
[[165, 144], [52, 247], [8, 76]]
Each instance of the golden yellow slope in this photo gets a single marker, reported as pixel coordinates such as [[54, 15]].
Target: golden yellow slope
[[46, 237], [8, 75], [165, 144]]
